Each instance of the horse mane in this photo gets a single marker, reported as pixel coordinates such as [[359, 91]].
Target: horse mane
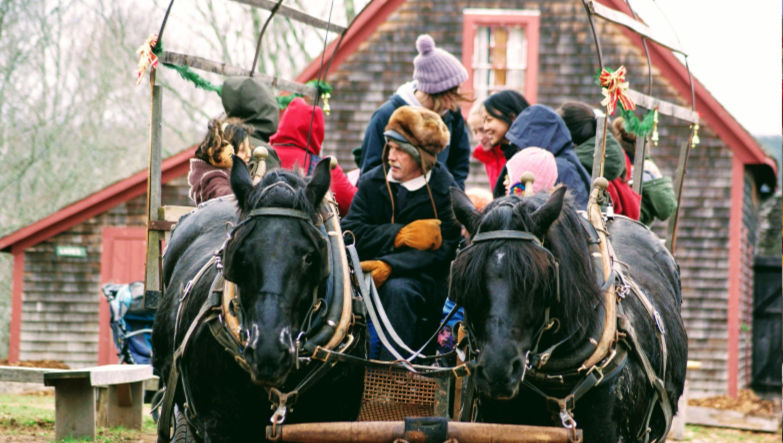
[[527, 265]]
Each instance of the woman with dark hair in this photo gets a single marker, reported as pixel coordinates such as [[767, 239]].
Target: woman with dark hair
[[500, 111], [580, 118]]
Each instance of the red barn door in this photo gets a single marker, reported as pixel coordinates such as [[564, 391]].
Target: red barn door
[[122, 261]]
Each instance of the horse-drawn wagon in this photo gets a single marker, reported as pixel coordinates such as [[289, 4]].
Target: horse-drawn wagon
[[585, 325]]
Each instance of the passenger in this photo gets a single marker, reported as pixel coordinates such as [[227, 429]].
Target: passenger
[[540, 126], [581, 121], [406, 233], [435, 86], [500, 111], [298, 144], [210, 169], [541, 163], [490, 156], [249, 99], [658, 200]]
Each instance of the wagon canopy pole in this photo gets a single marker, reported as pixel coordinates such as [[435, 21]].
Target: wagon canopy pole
[[152, 262], [272, 13], [602, 124]]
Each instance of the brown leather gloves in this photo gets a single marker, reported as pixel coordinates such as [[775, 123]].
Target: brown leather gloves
[[378, 269], [420, 234]]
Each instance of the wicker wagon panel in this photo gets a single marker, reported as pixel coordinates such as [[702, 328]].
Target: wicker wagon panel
[[393, 394]]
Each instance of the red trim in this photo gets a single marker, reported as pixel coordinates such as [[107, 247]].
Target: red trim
[[359, 31], [529, 21], [95, 204], [735, 263], [710, 111], [17, 285]]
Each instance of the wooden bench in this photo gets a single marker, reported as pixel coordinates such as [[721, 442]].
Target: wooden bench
[[20, 374], [109, 396]]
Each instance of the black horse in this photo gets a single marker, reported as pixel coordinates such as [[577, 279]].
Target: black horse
[[267, 243], [531, 332]]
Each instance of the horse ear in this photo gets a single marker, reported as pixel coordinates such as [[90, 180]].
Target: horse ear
[[319, 182], [241, 182], [464, 210], [544, 216]]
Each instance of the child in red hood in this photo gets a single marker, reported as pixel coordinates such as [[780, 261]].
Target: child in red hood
[[297, 150]]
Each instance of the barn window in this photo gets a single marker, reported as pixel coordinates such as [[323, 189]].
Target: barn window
[[500, 50]]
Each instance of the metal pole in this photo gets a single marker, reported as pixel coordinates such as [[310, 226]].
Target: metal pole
[[640, 152], [152, 265]]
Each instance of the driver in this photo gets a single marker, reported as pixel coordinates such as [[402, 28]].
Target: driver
[[406, 233]]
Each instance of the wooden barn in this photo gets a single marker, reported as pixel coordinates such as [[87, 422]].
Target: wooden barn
[[60, 262], [548, 54], [545, 50]]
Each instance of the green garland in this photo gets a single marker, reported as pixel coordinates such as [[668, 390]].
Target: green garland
[[635, 126], [186, 73], [322, 87]]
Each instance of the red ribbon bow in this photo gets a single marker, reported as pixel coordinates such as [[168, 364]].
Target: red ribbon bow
[[614, 88], [147, 59]]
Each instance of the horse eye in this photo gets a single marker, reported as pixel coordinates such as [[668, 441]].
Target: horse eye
[[308, 258]]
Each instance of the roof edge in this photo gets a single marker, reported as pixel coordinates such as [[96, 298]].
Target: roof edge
[[94, 204], [740, 141], [364, 24]]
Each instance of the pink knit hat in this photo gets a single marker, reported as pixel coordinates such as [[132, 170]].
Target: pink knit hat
[[434, 69], [536, 160]]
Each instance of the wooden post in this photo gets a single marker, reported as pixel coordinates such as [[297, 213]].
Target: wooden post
[[640, 152], [679, 178], [152, 266], [600, 148]]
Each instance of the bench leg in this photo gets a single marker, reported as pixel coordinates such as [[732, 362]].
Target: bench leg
[[74, 409], [121, 405]]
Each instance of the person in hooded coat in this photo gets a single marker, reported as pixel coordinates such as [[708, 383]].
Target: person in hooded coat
[[436, 78], [582, 123], [298, 144], [406, 234], [250, 100], [540, 126]]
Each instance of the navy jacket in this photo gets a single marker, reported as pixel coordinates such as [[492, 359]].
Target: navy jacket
[[456, 156], [370, 221], [540, 126]]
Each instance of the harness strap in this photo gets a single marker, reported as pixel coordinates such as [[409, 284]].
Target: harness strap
[[327, 355], [167, 405], [652, 377], [375, 309]]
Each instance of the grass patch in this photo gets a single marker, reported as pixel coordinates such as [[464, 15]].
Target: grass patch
[[28, 411]]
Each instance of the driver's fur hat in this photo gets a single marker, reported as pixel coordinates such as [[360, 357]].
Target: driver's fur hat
[[420, 128]]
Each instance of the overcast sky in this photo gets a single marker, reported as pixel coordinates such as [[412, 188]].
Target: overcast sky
[[734, 49]]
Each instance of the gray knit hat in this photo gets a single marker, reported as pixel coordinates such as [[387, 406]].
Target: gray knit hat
[[434, 69]]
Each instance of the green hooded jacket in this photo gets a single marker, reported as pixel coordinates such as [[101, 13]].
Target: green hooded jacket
[[251, 100], [614, 161], [657, 200]]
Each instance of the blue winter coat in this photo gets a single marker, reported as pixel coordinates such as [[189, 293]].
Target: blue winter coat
[[370, 221], [456, 156], [539, 125]]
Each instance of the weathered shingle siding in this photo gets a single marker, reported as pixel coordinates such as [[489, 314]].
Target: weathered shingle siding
[[567, 68], [60, 295], [750, 226]]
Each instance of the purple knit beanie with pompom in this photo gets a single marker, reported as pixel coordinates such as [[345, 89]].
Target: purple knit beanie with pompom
[[434, 69]]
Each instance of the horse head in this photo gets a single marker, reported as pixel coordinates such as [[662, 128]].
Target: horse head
[[511, 282], [277, 257]]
